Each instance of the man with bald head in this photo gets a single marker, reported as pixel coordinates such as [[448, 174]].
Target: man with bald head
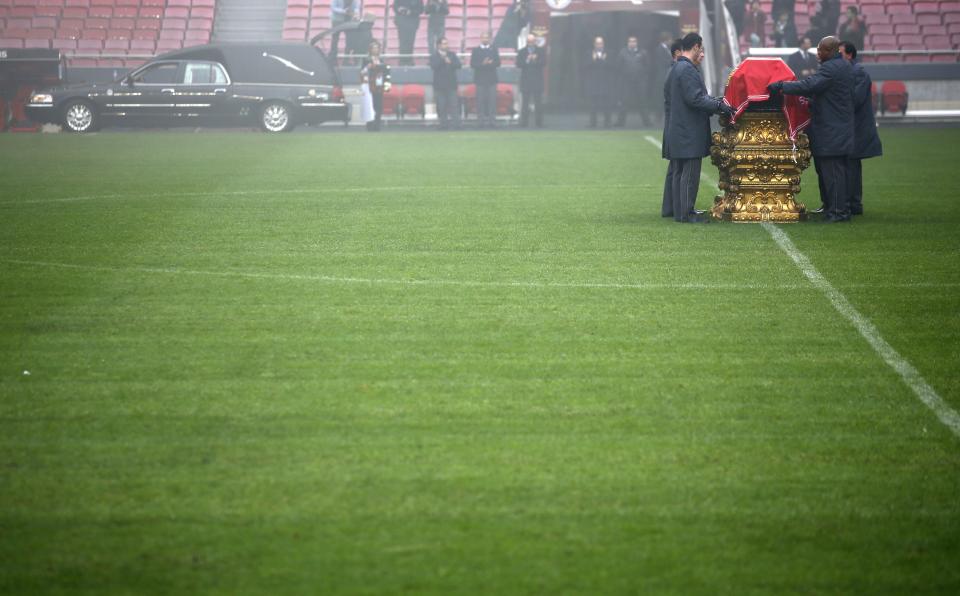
[[831, 131]]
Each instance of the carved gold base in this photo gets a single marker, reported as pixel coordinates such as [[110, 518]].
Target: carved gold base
[[759, 169]]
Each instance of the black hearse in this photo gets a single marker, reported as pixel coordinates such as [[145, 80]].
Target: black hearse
[[276, 85]]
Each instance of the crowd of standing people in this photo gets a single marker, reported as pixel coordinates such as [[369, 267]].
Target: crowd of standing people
[[751, 22]]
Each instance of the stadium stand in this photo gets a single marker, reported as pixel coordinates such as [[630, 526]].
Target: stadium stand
[[108, 33], [898, 30], [464, 25]]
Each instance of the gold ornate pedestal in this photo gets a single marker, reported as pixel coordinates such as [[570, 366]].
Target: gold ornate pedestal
[[759, 169]]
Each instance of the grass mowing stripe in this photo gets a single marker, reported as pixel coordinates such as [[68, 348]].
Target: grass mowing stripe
[[334, 190], [910, 375], [452, 282]]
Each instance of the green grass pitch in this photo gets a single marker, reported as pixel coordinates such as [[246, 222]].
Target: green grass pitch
[[464, 363]]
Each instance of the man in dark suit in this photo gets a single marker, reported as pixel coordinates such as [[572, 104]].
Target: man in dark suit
[[598, 81], [667, 209], [530, 60], [831, 124], [661, 61], [406, 14], [484, 60], [631, 83], [686, 139], [445, 65], [866, 142], [802, 62]]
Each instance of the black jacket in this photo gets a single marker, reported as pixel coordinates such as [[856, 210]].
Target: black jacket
[[407, 8], [831, 107], [484, 74], [598, 74], [800, 61], [437, 11], [444, 75], [531, 71], [687, 112], [867, 141]]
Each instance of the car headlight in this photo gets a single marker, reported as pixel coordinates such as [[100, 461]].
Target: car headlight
[[41, 98]]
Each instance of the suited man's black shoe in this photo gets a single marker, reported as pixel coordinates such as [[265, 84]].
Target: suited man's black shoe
[[818, 210], [696, 219], [834, 219], [697, 212]]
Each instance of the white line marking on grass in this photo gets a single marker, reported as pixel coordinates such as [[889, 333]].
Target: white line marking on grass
[[412, 282], [326, 191], [910, 375]]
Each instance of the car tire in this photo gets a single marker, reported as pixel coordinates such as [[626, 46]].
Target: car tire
[[276, 116], [80, 116]]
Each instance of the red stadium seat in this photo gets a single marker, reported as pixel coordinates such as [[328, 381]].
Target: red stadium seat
[[99, 34], [39, 34], [903, 19], [894, 97], [468, 95], [148, 24], [173, 24], [167, 45], [937, 42], [87, 46], [883, 40], [413, 100], [882, 29], [36, 43], [928, 19], [177, 13], [934, 30], [951, 18], [116, 45], [909, 40], [172, 34], [43, 22], [197, 35], [64, 44], [946, 58], [392, 100], [9, 42], [926, 8], [148, 34], [904, 29], [143, 46], [505, 99]]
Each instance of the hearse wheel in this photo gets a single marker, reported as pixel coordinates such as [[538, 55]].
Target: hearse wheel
[[276, 117], [79, 116]]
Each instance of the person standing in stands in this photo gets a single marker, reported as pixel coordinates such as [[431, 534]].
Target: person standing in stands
[[437, 11], [341, 11], [514, 20], [598, 81], [530, 60], [831, 129], [686, 139], [756, 26], [630, 67], [666, 210], [485, 60], [407, 18], [802, 62], [445, 65], [375, 80], [866, 142], [854, 29], [784, 32]]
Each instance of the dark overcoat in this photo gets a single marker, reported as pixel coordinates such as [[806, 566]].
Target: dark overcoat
[[484, 74], [831, 107], [444, 75], [688, 109], [867, 141], [598, 76], [531, 71]]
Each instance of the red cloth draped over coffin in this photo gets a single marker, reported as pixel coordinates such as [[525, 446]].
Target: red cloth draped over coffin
[[748, 84]]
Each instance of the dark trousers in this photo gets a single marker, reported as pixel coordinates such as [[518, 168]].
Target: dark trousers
[[855, 186], [407, 34], [666, 210], [377, 111], [448, 108], [686, 183], [487, 103], [832, 177], [436, 28], [528, 99], [600, 103]]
